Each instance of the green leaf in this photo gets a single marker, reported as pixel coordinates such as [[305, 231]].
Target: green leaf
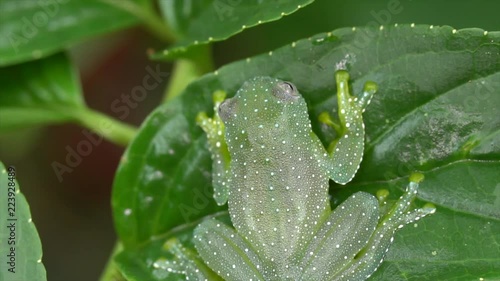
[[205, 21], [47, 91], [163, 179], [436, 112], [39, 92], [35, 29], [445, 246], [21, 257]]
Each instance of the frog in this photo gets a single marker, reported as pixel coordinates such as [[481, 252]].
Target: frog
[[273, 171]]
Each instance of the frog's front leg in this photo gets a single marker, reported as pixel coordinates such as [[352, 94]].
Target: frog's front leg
[[214, 128], [346, 151], [227, 253], [352, 243]]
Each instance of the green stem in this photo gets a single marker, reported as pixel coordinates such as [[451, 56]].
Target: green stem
[[111, 272], [148, 17], [187, 70], [105, 126]]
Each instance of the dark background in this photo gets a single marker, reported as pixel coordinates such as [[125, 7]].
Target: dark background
[[73, 216]]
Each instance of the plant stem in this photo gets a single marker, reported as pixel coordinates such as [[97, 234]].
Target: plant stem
[[111, 272], [103, 125], [188, 69], [148, 17]]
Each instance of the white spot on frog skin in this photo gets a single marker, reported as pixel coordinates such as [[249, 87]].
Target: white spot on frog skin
[[127, 212]]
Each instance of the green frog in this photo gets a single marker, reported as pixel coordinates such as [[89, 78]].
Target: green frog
[[273, 171]]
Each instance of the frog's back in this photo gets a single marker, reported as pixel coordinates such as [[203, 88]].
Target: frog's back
[[274, 163]]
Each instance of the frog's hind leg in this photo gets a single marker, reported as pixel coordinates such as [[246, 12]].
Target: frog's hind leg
[[214, 128], [372, 255], [226, 252], [185, 262], [342, 236]]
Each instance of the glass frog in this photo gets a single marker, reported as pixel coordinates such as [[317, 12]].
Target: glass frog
[[273, 171]]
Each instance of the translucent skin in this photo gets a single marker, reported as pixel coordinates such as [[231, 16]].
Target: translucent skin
[[278, 189], [273, 171]]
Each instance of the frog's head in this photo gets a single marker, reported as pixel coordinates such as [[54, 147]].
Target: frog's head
[[262, 108]]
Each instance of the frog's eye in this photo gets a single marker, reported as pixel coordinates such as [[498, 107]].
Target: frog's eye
[[286, 91], [290, 86], [227, 109]]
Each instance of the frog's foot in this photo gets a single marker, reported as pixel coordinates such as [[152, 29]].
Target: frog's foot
[[184, 262], [214, 128], [347, 149], [227, 253], [372, 255]]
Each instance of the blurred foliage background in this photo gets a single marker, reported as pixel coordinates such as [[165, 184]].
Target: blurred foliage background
[[73, 216]]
